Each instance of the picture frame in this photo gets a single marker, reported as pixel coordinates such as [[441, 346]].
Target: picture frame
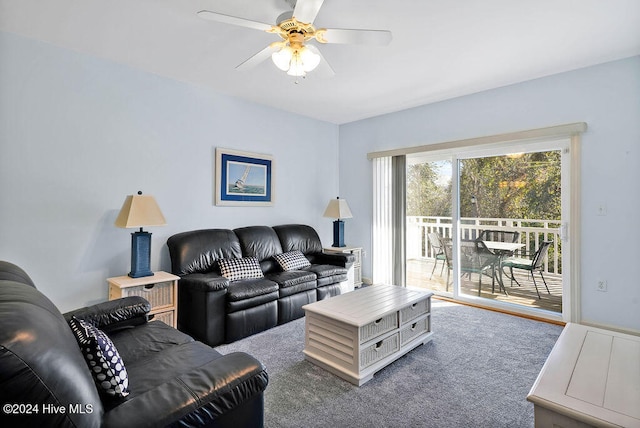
[[243, 178]]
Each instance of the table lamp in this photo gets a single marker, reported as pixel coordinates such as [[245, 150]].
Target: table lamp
[[338, 208], [138, 211]]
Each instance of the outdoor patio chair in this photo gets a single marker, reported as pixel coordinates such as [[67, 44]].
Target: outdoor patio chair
[[475, 257], [499, 235], [436, 242], [535, 263], [448, 257]]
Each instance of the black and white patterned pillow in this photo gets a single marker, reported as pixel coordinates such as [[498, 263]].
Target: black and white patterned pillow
[[292, 260], [245, 268], [102, 357]]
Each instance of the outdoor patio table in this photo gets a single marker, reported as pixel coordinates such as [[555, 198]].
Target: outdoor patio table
[[502, 249]]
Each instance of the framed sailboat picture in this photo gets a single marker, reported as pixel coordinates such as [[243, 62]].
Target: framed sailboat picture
[[243, 178]]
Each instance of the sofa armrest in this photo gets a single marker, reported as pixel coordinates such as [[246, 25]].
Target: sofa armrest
[[205, 282], [345, 260], [197, 397], [114, 314], [202, 299]]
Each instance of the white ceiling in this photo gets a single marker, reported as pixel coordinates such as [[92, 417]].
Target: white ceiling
[[440, 49]]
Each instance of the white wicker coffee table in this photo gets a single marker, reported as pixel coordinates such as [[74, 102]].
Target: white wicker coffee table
[[354, 335]]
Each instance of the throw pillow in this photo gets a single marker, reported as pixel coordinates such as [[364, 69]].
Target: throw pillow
[[245, 268], [102, 357], [292, 260]]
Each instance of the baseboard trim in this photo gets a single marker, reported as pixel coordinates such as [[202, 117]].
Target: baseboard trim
[[502, 311]]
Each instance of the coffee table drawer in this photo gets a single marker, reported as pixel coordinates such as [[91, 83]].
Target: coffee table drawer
[[378, 327], [413, 311], [379, 350], [413, 330]]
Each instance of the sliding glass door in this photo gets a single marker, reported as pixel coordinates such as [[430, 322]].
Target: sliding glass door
[[512, 203], [429, 222], [488, 225]]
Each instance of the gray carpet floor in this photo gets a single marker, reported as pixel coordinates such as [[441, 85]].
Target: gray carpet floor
[[476, 372]]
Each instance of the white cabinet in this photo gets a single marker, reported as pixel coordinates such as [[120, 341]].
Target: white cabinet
[[354, 275], [591, 378], [160, 289]]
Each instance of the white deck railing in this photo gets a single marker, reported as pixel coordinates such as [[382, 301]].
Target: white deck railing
[[532, 233]]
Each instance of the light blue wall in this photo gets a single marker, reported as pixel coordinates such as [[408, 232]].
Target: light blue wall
[[78, 134], [607, 97]]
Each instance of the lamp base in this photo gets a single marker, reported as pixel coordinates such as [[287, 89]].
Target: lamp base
[[140, 254], [338, 233]]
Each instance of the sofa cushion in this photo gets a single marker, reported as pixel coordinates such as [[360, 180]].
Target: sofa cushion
[[249, 288], [103, 359], [298, 237], [293, 282], [328, 274], [331, 280], [147, 339], [198, 250], [244, 268], [292, 260], [248, 306], [292, 278], [260, 242], [324, 271]]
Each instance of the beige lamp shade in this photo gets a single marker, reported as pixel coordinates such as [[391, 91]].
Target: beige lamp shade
[[139, 211], [338, 208]]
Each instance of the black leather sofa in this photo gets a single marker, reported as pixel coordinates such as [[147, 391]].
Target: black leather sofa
[[173, 380], [216, 310]]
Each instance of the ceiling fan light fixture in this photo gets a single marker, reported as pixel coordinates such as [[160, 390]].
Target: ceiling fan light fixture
[[282, 58], [296, 62], [309, 59], [296, 67]]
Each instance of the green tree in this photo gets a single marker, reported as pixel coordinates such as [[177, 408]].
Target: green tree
[[426, 196], [525, 186]]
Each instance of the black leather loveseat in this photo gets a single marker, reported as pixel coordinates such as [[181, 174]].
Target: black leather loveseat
[[173, 380], [216, 309]]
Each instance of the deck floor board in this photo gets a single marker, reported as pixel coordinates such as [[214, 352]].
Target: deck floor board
[[419, 273]]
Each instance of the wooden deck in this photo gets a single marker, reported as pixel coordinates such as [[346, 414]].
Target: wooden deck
[[419, 272]]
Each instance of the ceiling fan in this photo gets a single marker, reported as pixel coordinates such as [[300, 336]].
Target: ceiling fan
[[292, 54]]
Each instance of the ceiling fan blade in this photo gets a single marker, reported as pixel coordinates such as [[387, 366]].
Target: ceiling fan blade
[[359, 37], [234, 20], [324, 69], [307, 10], [260, 56]]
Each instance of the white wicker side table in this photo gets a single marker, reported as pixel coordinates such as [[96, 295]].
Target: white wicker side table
[[161, 290]]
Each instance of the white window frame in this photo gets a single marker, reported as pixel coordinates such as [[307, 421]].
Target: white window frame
[[523, 141]]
